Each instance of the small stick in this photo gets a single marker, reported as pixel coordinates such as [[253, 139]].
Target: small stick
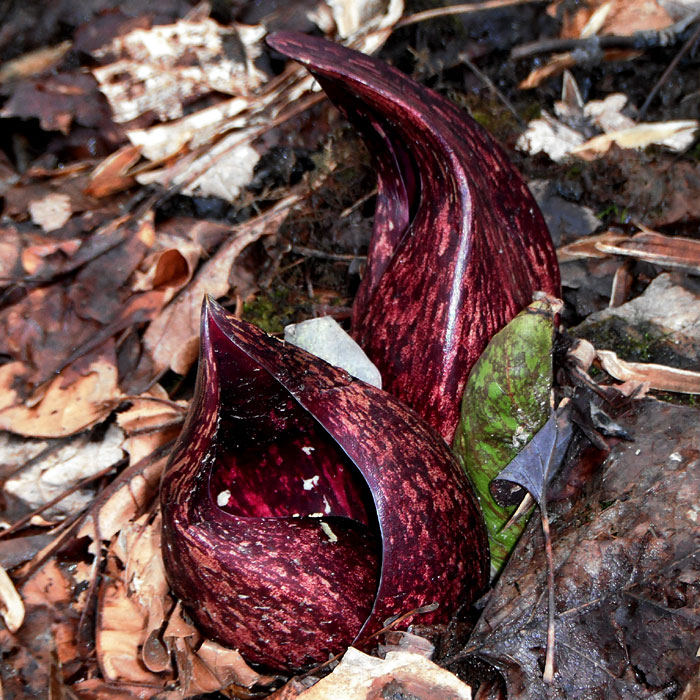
[[671, 67], [548, 675], [463, 9]]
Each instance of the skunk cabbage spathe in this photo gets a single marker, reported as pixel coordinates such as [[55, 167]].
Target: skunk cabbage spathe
[[303, 507], [459, 245]]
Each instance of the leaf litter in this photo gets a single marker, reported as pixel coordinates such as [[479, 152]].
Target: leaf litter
[[102, 277]]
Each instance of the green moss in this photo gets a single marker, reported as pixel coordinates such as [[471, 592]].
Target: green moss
[[634, 344], [271, 310]]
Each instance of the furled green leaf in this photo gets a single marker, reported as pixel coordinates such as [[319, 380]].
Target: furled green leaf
[[505, 402]]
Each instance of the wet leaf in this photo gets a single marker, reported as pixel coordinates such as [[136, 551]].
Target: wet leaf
[[626, 571]]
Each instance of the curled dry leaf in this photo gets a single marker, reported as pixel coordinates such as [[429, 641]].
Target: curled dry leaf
[[650, 246], [301, 508], [171, 340], [11, 605], [676, 135], [659, 377], [459, 245], [627, 613]]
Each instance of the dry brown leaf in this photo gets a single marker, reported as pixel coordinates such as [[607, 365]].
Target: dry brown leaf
[[659, 377], [229, 666], [35, 256], [48, 586], [110, 175], [121, 630], [11, 605], [58, 100], [72, 402], [363, 677], [653, 247], [621, 17], [34, 62], [130, 499], [676, 135], [171, 340], [587, 247]]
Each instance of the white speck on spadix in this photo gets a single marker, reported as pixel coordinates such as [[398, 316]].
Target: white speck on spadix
[[222, 498]]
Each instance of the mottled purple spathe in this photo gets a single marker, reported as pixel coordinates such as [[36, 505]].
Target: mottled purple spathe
[[345, 508], [459, 245]]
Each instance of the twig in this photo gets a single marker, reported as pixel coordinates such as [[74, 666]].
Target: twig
[[643, 39], [671, 67], [64, 494], [494, 89], [463, 9], [548, 675], [313, 253]]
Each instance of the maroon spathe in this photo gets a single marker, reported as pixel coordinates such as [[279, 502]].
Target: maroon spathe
[[302, 507], [459, 244]]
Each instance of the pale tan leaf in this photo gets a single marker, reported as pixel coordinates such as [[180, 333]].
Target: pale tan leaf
[[130, 499], [62, 468], [49, 586], [71, 402], [676, 135], [52, 211], [363, 677], [658, 377], [11, 605], [229, 666], [33, 62]]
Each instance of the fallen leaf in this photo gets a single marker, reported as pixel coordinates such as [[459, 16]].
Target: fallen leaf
[[659, 377], [111, 174], [676, 135], [627, 613], [594, 246], [532, 469], [51, 212], [621, 17], [73, 401], [172, 339], [650, 246], [402, 674], [58, 101], [11, 605], [158, 69], [34, 62], [60, 469]]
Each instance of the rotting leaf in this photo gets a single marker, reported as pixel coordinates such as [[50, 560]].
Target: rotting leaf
[[627, 610]]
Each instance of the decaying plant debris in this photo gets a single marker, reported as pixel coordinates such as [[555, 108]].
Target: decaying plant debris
[[151, 156]]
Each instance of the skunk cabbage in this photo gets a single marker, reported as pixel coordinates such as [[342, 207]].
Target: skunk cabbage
[[303, 507], [459, 245]]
